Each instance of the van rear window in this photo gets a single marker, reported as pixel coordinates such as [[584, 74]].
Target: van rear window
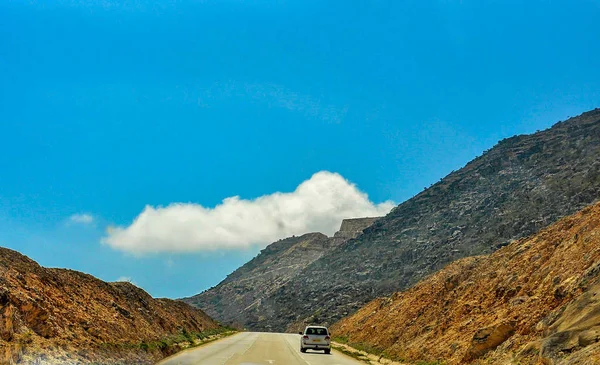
[[316, 331]]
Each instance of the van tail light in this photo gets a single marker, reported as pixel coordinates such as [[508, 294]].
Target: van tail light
[[305, 337], [327, 338]]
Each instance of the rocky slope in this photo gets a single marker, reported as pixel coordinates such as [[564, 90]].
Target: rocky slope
[[237, 300], [534, 301], [515, 189], [58, 316]]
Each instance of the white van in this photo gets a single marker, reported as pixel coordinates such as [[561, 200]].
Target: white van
[[315, 338]]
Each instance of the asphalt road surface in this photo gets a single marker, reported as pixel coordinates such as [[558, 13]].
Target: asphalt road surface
[[252, 348]]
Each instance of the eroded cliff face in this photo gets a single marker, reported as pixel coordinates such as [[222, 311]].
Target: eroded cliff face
[[536, 300], [60, 316], [240, 299]]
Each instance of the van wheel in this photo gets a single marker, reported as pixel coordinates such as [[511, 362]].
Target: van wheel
[[302, 349], [327, 351]]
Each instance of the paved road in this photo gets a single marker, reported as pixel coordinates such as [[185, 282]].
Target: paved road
[[252, 348]]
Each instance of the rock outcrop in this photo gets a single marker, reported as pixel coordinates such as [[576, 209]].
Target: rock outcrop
[[520, 186], [58, 316], [239, 299], [352, 228], [535, 301]]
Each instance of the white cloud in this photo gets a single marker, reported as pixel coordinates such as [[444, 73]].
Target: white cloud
[[317, 205], [81, 218]]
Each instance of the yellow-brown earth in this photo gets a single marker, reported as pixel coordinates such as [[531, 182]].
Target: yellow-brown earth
[[64, 316], [534, 301]]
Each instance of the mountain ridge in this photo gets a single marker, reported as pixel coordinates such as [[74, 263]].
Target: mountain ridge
[[521, 185], [513, 190]]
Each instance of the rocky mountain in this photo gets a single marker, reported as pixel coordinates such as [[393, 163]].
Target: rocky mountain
[[521, 185], [58, 316], [237, 300], [535, 301]]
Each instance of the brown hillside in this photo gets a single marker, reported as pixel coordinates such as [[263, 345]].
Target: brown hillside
[[536, 299], [64, 316]]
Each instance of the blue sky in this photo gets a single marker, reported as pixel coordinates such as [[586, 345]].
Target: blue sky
[[107, 107]]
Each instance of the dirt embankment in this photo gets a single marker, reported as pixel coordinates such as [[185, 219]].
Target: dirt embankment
[[64, 316], [534, 301]]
